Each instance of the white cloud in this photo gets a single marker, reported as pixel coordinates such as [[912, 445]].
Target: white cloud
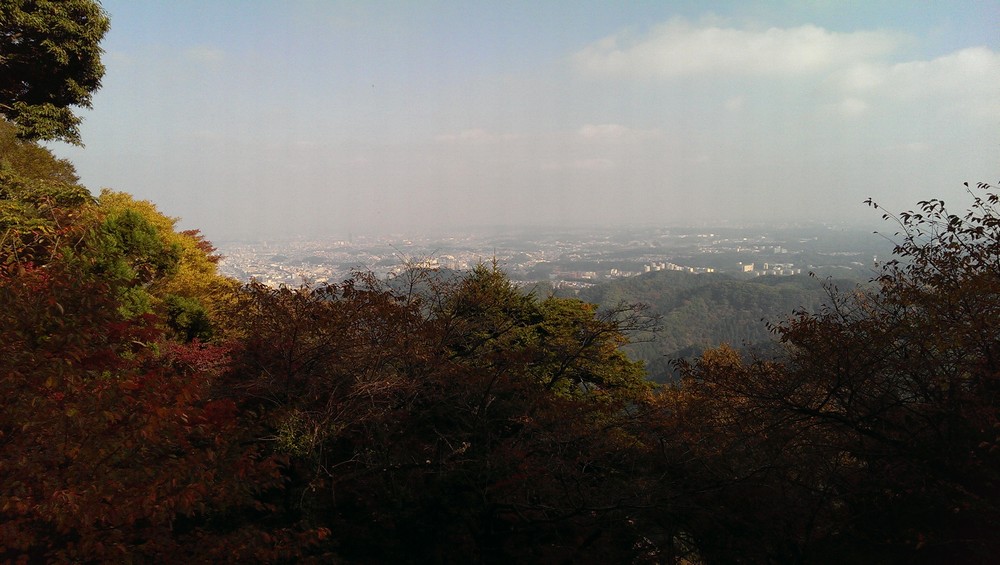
[[837, 74], [959, 69], [969, 78], [966, 81], [862, 77], [679, 48]]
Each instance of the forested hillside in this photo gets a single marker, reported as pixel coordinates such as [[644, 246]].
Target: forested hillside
[[700, 311], [157, 411], [153, 411]]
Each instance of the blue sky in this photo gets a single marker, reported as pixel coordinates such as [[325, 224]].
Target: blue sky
[[266, 119]]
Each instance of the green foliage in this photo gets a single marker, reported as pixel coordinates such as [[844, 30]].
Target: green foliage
[[188, 318], [50, 60], [130, 248], [127, 242], [572, 347], [702, 311], [31, 160], [579, 349], [37, 216], [486, 310], [42, 210], [445, 424], [128, 251]]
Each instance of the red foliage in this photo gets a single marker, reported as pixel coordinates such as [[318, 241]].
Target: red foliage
[[112, 446], [203, 244]]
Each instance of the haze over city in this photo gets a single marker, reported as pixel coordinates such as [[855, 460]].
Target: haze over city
[[281, 119]]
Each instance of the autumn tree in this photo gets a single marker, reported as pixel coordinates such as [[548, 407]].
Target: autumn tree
[[877, 438], [114, 441], [546, 412], [50, 61], [468, 421], [114, 444], [117, 443], [169, 272], [40, 200]]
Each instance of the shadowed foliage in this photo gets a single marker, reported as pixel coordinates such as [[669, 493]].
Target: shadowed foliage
[[50, 60]]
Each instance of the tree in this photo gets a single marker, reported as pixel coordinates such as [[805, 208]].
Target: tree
[[50, 60], [114, 443], [32, 161], [171, 273], [40, 202], [463, 421], [572, 347], [877, 437]]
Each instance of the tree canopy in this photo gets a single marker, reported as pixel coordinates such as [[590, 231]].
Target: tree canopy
[[50, 61], [876, 439], [151, 410]]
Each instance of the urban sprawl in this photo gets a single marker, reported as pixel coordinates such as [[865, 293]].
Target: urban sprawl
[[566, 258]]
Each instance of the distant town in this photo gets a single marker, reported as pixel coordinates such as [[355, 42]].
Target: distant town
[[568, 258]]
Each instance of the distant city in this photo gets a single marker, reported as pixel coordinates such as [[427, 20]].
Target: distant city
[[568, 258]]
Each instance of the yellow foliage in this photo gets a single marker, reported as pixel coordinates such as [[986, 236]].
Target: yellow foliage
[[196, 275]]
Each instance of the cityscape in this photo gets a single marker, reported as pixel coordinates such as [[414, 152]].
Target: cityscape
[[567, 258]]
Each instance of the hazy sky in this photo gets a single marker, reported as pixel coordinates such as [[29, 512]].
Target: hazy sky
[[283, 118]]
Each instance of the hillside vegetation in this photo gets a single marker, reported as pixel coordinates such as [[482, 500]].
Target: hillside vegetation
[[700, 311], [153, 411]]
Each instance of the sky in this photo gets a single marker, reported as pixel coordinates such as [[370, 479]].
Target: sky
[[255, 119]]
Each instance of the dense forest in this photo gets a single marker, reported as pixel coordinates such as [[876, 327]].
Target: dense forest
[[154, 411], [698, 311]]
